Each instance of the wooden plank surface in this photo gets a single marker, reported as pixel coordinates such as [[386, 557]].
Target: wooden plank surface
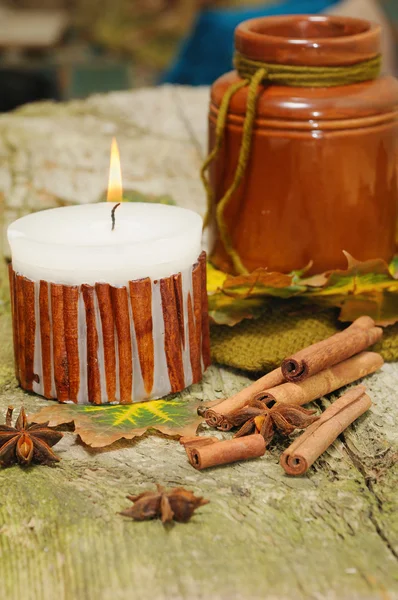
[[331, 535]]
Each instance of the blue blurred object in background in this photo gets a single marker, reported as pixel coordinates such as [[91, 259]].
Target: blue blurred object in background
[[207, 53]]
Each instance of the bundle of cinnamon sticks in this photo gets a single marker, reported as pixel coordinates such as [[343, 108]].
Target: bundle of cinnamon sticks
[[308, 375]]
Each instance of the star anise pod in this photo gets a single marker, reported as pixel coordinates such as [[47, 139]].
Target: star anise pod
[[256, 417], [177, 504], [26, 443]]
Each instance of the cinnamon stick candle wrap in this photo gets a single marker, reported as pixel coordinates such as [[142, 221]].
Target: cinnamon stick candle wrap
[[203, 456], [326, 381], [361, 334], [309, 446], [99, 344]]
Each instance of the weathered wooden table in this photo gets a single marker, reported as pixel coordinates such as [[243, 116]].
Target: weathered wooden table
[[332, 534]]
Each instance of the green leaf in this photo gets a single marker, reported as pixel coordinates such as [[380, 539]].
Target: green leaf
[[100, 426]]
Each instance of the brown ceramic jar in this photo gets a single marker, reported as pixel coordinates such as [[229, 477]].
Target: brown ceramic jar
[[323, 171]]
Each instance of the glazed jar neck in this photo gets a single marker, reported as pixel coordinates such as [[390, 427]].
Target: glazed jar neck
[[312, 41]]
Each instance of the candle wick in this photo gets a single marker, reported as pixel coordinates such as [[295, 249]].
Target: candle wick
[[113, 215]]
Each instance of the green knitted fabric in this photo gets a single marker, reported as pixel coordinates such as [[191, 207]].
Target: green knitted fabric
[[261, 344]]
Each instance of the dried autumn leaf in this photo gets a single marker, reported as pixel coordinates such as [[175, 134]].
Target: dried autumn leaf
[[232, 299], [215, 279], [227, 310], [100, 426], [369, 287], [258, 283], [262, 282], [393, 267]]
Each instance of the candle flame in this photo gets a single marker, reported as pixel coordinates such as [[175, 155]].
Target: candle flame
[[115, 188]]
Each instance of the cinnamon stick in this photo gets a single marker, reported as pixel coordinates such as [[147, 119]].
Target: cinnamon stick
[[172, 336], [71, 325], [122, 319], [194, 349], [141, 303], [11, 275], [197, 441], [214, 416], [19, 298], [326, 381], [177, 281], [30, 331], [61, 373], [45, 338], [340, 346], [205, 312], [225, 452], [103, 291], [305, 450], [197, 313], [93, 372]]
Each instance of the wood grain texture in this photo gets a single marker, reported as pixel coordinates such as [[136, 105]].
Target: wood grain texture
[[93, 372], [141, 303], [45, 338], [331, 535], [120, 304], [71, 326], [103, 291], [172, 335]]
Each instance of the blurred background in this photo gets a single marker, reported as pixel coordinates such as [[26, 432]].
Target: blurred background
[[65, 49]]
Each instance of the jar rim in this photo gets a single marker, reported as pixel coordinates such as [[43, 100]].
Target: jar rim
[[313, 40]]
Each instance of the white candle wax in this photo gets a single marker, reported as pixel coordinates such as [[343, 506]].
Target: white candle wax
[[75, 245]]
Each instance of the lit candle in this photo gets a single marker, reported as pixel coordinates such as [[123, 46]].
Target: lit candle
[[109, 309]]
